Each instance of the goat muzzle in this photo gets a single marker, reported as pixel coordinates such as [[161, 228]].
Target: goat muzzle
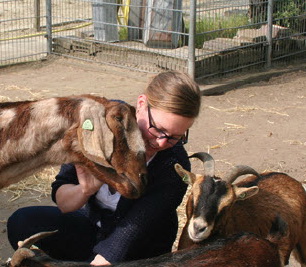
[[198, 229], [131, 188]]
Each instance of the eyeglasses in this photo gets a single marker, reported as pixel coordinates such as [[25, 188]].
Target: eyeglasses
[[159, 134]]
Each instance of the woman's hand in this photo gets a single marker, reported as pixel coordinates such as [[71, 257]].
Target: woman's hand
[[89, 183], [71, 197], [99, 260]]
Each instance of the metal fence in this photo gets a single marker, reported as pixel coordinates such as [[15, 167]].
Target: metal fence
[[204, 38], [20, 36]]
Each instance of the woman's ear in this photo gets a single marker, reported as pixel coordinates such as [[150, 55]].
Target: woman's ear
[[141, 102]]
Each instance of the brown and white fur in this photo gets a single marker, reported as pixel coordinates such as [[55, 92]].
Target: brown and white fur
[[36, 134]]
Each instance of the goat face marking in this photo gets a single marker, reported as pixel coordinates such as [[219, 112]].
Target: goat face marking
[[209, 197]]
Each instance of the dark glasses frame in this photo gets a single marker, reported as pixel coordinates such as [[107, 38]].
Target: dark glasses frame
[[170, 139]]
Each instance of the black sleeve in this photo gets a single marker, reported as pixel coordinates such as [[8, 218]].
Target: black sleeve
[[67, 175], [164, 194]]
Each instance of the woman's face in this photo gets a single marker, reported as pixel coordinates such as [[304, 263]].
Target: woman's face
[[174, 126]]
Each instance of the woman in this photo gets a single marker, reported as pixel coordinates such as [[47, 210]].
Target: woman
[[98, 225]]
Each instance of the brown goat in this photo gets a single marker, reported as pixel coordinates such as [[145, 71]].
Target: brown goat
[[99, 134], [240, 250], [219, 207]]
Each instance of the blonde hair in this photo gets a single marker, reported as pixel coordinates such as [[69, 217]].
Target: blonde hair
[[174, 92]]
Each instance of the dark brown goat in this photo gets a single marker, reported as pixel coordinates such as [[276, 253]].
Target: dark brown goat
[[219, 207], [26, 256], [240, 250], [99, 134]]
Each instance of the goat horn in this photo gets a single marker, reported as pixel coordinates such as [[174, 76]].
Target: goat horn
[[27, 243], [238, 171], [19, 255], [208, 162]]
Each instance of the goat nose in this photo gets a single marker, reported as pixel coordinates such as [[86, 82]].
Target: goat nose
[[199, 229], [135, 193], [143, 178]]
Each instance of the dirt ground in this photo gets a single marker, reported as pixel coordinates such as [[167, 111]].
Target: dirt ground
[[258, 120]]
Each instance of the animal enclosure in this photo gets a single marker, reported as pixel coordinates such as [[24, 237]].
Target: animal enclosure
[[258, 124], [204, 38]]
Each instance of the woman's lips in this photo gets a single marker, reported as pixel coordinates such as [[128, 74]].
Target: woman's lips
[[152, 146]]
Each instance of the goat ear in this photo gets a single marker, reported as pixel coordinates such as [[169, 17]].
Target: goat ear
[[126, 122], [187, 177], [243, 193], [94, 135]]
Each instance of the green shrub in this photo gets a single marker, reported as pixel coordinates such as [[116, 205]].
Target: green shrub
[[285, 11], [123, 33], [210, 28]]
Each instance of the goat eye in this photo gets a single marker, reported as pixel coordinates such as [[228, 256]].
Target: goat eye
[[118, 118]]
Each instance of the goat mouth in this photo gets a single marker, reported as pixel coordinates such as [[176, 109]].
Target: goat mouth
[[134, 190], [196, 239], [122, 183]]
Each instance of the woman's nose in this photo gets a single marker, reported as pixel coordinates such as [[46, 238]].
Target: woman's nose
[[162, 142]]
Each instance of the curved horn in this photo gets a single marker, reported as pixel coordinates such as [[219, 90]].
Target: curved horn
[[27, 243], [238, 171], [208, 162], [24, 252]]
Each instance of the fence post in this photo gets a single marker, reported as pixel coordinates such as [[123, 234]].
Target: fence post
[[269, 33], [191, 39], [49, 26], [37, 15]]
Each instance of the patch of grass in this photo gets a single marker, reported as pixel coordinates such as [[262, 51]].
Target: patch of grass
[[123, 33], [210, 28]]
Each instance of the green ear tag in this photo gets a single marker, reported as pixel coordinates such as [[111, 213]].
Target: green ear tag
[[185, 178], [87, 125], [242, 196]]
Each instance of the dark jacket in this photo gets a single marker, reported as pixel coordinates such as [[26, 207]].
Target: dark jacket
[[144, 227]]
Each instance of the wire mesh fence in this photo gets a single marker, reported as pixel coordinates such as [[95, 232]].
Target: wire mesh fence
[[20, 39], [204, 38], [248, 33]]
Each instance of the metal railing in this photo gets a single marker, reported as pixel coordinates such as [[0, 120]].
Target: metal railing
[[204, 38]]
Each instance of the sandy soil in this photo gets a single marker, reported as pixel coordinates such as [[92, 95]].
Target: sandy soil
[[258, 120]]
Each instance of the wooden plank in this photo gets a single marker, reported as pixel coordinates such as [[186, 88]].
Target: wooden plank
[[37, 15], [221, 44]]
